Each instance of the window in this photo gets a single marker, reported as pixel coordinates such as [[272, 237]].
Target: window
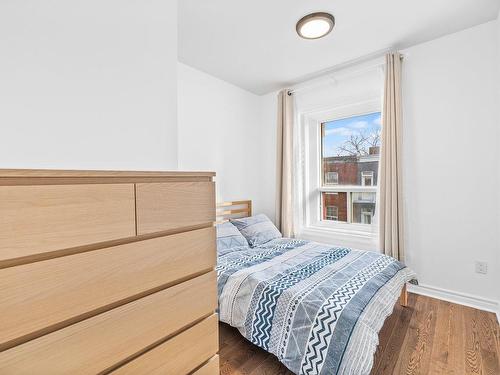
[[350, 149], [366, 217], [331, 178], [367, 178], [332, 212], [338, 138]]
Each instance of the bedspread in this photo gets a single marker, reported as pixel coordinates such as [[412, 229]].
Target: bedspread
[[318, 308]]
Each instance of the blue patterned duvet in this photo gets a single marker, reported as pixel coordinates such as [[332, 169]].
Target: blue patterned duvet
[[316, 307]]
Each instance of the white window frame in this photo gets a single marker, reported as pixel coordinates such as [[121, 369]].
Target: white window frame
[[311, 225], [336, 178], [365, 174]]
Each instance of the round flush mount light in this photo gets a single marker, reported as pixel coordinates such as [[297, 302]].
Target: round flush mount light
[[315, 25]]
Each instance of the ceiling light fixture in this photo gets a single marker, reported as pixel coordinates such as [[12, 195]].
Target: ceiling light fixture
[[315, 25]]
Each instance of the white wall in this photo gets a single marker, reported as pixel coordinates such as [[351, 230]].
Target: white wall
[[498, 106], [88, 84], [451, 160], [269, 121], [221, 129]]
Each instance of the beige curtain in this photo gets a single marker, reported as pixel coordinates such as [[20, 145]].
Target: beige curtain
[[284, 167], [391, 204]]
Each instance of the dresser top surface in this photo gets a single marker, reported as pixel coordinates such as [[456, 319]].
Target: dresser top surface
[[37, 173]]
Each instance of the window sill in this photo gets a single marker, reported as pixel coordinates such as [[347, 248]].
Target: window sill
[[355, 229], [362, 240]]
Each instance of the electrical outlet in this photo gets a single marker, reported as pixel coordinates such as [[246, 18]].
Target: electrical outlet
[[481, 267]]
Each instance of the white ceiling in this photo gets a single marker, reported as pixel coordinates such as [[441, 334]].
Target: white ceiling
[[253, 43]]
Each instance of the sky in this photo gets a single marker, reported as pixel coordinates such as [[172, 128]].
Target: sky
[[338, 131]]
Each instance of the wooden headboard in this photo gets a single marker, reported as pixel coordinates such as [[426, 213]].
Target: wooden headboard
[[234, 209]]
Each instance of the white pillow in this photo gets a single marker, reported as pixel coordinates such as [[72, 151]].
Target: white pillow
[[257, 229]]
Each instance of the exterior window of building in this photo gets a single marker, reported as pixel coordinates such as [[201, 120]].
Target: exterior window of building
[[350, 153], [332, 213], [366, 217], [331, 178], [367, 178]]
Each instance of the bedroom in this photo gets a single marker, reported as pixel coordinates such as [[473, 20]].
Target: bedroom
[[90, 90]]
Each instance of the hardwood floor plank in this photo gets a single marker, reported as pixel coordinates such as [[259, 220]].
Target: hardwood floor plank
[[238, 356], [256, 360], [387, 361], [226, 336], [488, 343], [473, 361], [248, 357], [444, 340], [428, 337], [271, 366], [456, 363], [385, 334], [418, 339]]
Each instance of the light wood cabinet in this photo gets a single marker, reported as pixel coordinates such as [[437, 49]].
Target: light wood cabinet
[[176, 355], [98, 275], [54, 293], [209, 368], [45, 219], [164, 206]]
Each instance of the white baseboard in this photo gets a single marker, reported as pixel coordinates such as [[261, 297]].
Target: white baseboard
[[455, 297]]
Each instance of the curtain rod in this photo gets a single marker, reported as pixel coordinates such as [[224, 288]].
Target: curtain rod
[[324, 73]]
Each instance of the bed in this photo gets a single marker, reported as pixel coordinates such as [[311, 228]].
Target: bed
[[318, 308]]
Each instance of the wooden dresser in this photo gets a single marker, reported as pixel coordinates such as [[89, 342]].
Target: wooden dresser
[[107, 272]]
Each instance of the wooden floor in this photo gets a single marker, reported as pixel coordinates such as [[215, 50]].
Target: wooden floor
[[428, 337]]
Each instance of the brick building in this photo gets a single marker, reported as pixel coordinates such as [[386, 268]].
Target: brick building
[[351, 171]]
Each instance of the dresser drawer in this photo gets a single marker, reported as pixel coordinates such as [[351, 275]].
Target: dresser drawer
[[209, 368], [41, 219], [102, 342], [41, 296], [181, 354], [164, 206]]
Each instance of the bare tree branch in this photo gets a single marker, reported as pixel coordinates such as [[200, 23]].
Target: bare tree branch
[[356, 145], [374, 139]]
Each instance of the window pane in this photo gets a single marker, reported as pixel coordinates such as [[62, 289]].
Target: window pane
[[331, 178], [363, 207], [350, 150], [335, 206]]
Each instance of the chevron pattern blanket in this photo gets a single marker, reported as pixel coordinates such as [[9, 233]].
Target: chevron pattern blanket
[[316, 307]]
